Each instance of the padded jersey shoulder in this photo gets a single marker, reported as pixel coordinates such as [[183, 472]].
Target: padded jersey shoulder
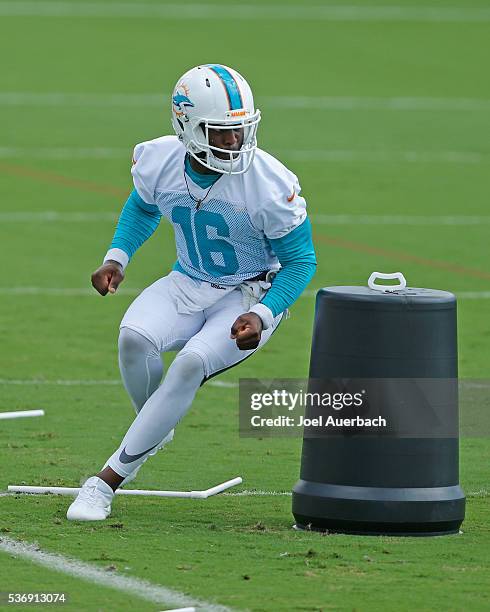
[[155, 161], [273, 196]]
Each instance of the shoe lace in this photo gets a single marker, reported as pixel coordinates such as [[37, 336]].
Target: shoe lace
[[90, 495]]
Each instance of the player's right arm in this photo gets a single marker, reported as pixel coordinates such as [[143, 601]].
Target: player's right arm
[[108, 277], [137, 222], [140, 216]]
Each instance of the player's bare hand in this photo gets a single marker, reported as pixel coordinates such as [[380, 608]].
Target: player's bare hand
[[246, 330], [108, 277]]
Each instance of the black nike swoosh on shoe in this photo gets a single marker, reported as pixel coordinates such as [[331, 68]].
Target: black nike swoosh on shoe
[[125, 458]]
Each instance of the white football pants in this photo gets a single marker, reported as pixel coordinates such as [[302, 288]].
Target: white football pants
[[152, 325]]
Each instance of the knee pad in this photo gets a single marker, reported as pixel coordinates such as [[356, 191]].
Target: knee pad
[[189, 364], [132, 345]]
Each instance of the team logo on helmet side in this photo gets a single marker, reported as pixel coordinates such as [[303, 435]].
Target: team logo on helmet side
[[181, 99]]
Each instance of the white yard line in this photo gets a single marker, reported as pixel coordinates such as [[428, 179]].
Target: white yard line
[[87, 291], [371, 103], [397, 219], [384, 157], [97, 382], [259, 493], [54, 216], [50, 216], [461, 295], [223, 384], [161, 100], [244, 493], [64, 152], [311, 155], [248, 12], [59, 382], [90, 573], [473, 295], [27, 98], [91, 382], [254, 493], [62, 291]]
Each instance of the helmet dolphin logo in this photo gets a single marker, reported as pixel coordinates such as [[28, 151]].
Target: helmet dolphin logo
[[180, 101]]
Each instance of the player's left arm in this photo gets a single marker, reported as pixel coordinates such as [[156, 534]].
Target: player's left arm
[[296, 254], [279, 211]]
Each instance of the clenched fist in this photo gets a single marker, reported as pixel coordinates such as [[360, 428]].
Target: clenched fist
[[246, 330], [108, 277]]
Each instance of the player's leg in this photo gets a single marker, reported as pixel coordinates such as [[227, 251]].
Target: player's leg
[[154, 317], [160, 414], [140, 364], [207, 353], [218, 351], [152, 325], [141, 369]]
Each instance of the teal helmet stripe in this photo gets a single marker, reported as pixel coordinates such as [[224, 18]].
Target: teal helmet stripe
[[231, 86]]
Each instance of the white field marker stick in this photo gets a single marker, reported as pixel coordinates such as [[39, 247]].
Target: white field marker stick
[[189, 494], [21, 414], [221, 487]]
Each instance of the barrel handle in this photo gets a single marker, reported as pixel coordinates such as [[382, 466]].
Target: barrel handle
[[375, 275]]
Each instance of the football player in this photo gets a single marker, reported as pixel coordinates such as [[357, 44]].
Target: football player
[[244, 255]]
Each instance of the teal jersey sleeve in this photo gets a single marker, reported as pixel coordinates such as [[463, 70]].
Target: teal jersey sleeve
[[137, 222], [297, 257]]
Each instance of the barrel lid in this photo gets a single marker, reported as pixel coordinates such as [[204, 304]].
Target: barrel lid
[[414, 297]]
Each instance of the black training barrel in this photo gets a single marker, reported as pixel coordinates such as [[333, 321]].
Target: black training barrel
[[404, 480]]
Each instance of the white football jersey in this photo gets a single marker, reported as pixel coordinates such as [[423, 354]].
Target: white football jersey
[[225, 237]]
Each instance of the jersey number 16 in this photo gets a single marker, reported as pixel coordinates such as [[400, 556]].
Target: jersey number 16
[[200, 247]]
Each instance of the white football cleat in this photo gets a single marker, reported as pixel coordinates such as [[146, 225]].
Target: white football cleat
[[93, 502]]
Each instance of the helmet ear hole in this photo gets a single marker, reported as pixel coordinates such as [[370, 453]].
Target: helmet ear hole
[[202, 127]]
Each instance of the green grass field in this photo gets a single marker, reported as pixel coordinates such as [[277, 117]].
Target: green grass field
[[379, 118]]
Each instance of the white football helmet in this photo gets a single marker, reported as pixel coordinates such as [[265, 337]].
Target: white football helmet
[[215, 97]]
